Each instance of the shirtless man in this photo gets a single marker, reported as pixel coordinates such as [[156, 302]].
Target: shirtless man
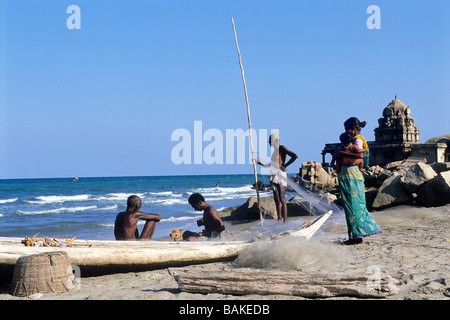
[[125, 226], [211, 219], [279, 163]]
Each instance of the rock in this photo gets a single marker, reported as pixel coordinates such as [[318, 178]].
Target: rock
[[375, 176], [308, 171], [391, 193], [297, 206], [314, 172], [440, 166], [370, 195], [331, 197], [382, 176], [417, 176], [436, 192], [324, 181], [393, 165], [225, 213], [249, 210], [408, 163], [261, 186]]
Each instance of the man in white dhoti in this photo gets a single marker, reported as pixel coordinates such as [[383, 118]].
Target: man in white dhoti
[[278, 174]]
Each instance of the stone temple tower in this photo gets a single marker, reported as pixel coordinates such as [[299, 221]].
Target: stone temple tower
[[395, 134], [397, 125]]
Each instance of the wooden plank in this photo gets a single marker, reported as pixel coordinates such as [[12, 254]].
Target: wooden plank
[[310, 285]]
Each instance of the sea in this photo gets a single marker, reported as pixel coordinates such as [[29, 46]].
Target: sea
[[86, 208]]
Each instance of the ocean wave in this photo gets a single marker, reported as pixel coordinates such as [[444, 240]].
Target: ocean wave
[[164, 202], [106, 225], [57, 210], [8, 200], [164, 194], [236, 192], [108, 208], [57, 199], [116, 196], [166, 198], [184, 218]]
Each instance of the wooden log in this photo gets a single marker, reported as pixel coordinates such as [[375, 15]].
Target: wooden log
[[310, 285]]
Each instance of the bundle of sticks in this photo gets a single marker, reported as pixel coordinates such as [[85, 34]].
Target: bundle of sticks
[[48, 242]]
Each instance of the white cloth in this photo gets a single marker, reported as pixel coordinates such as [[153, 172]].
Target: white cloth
[[277, 178], [359, 143]]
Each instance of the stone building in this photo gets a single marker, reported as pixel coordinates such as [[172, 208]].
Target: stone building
[[395, 135], [397, 138], [436, 149]]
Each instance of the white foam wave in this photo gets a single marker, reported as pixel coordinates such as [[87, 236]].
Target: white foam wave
[[164, 194], [224, 193], [108, 208], [184, 218], [107, 225], [58, 199], [8, 200], [165, 202], [58, 210], [116, 196]]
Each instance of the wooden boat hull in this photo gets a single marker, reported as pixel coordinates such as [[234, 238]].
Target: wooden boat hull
[[309, 231], [96, 257]]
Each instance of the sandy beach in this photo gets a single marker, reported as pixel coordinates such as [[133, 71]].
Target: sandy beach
[[414, 249]]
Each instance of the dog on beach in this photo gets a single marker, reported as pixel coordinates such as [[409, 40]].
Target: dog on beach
[[176, 234]]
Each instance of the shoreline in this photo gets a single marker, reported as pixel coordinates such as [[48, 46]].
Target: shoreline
[[414, 249]]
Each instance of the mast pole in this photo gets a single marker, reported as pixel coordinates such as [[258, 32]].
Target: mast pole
[[249, 122]]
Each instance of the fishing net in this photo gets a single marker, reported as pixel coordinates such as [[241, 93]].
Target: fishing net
[[314, 202], [312, 198]]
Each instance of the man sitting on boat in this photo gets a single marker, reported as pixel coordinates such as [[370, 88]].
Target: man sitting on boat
[[211, 219], [125, 226]]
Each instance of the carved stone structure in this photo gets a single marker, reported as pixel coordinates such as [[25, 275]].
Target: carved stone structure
[[395, 134], [396, 125]]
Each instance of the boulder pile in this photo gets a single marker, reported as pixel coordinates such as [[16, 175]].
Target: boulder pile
[[413, 182], [410, 181]]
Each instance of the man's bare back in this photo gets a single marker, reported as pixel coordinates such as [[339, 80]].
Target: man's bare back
[[125, 226]]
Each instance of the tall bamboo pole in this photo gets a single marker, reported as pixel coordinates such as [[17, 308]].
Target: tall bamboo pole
[[249, 122]]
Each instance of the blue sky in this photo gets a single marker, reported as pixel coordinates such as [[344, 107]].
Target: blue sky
[[105, 99]]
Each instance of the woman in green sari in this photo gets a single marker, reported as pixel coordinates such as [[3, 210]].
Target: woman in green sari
[[360, 223]]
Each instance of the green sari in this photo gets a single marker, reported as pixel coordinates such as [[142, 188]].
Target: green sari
[[359, 221]]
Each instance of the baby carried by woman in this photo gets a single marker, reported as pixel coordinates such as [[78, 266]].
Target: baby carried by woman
[[349, 154]]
